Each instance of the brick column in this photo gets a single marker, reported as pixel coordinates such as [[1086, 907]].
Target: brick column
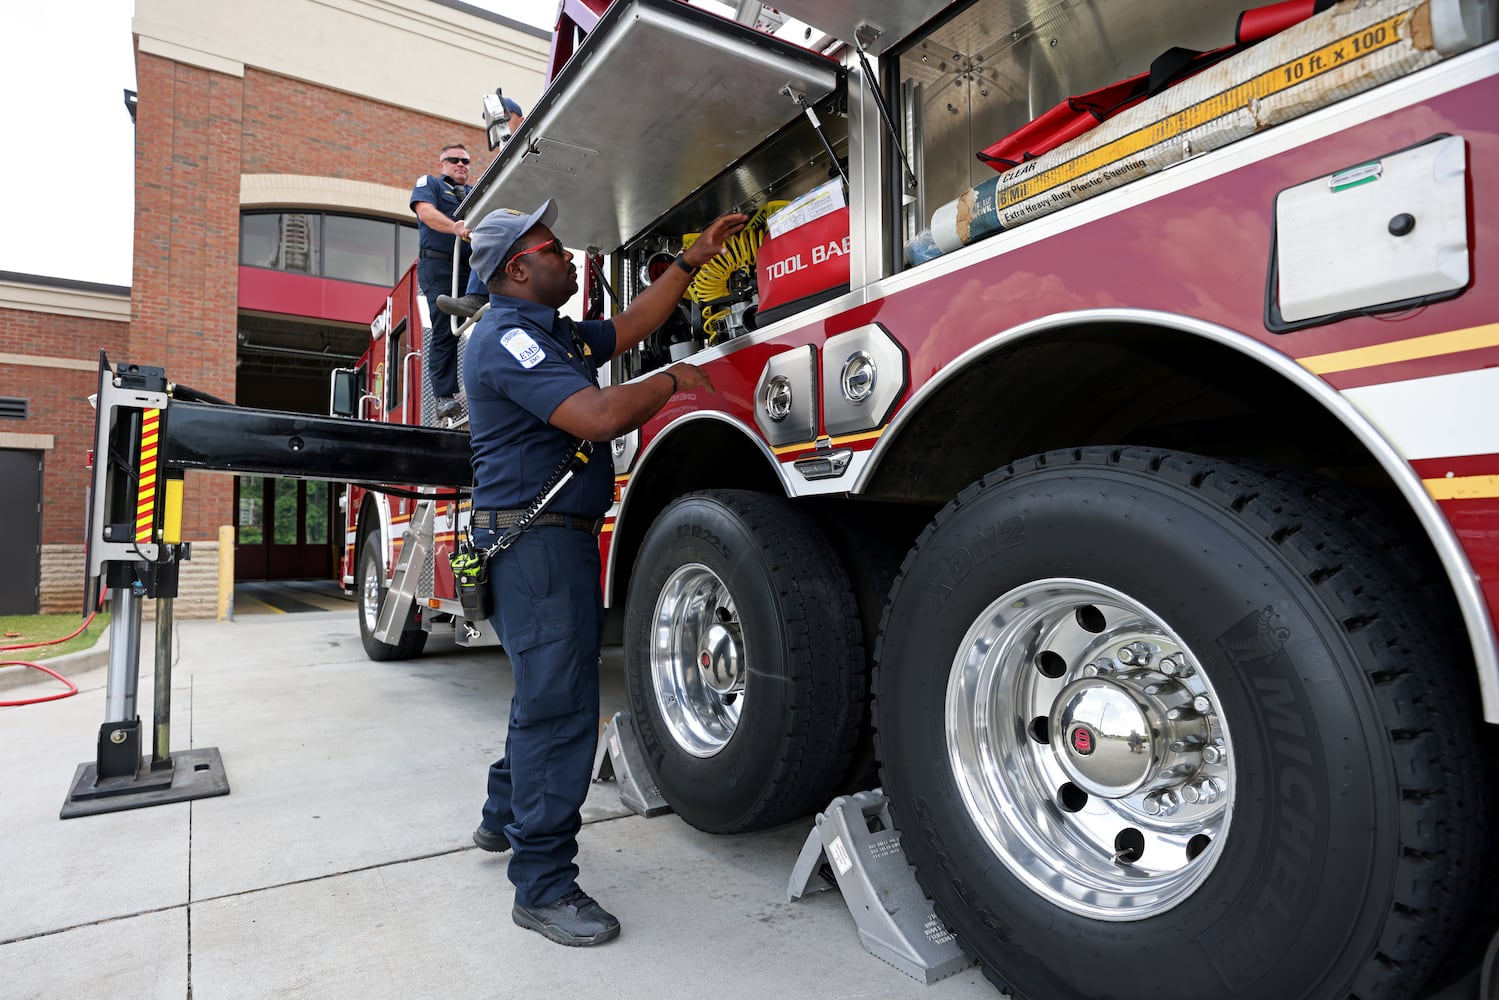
[[183, 306]]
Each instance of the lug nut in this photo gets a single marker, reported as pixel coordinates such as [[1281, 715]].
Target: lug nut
[[1173, 666], [1205, 790], [1202, 704], [1215, 752], [1135, 653], [1163, 803]]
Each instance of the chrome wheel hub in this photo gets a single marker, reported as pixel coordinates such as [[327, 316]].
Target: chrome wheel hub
[[369, 595], [1119, 735], [1088, 748], [697, 660]]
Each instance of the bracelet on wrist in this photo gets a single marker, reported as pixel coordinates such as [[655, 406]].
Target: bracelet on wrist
[[673, 381], [681, 261]]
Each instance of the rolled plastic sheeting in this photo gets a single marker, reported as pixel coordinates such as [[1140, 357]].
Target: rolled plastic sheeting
[[1341, 52]]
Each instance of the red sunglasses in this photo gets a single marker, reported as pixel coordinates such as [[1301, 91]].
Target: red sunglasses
[[552, 245]]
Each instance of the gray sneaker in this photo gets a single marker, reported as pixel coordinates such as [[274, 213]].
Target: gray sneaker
[[448, 406], [464, 306], [575, 920]]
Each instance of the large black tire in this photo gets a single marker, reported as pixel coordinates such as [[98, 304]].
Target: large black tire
[[1291, 809], [871, 545], [763, 732], [369, 594]]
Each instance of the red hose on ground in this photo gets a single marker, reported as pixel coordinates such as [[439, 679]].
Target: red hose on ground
[[72, 688]]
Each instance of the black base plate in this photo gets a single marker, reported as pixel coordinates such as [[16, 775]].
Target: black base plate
[[194, 774]]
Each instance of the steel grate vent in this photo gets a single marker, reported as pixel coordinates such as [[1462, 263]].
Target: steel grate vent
[[13, 408]]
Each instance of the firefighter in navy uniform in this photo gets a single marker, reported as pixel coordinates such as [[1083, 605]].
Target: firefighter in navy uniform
[[435, 200], [531, 378]]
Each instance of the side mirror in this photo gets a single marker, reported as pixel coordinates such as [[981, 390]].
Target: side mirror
[[344, 392]]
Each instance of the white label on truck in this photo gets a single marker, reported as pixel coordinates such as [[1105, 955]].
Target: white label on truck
[[840, 857]]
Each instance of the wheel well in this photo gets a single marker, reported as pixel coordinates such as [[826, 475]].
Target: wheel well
[[1128, 383], [693, 455], [1115, 383], [369, 520]]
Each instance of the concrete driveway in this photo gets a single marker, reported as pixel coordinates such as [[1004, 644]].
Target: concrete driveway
[[340, 864]]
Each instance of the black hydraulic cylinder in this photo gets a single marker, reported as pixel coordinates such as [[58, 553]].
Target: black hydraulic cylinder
[[247, 441]]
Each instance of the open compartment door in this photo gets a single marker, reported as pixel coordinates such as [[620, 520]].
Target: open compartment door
[[883, 22], [658, 100]]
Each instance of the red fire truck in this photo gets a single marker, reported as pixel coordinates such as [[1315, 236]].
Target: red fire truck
[[1103, 459]]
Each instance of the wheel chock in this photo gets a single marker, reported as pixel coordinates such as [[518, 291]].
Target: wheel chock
[[854, 842], [619, 757]]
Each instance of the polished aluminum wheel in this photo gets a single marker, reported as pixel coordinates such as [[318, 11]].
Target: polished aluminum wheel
[[1089, 749], [698, 660], [369, 593]]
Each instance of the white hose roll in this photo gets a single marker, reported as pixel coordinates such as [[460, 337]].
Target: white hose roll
[[1343, 51]]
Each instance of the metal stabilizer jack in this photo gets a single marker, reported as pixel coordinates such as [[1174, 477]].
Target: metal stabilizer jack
[[119, 778], [854, 844], [619, 757], [135, 549]]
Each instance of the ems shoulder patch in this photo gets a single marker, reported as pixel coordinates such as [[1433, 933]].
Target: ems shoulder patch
[[524, 349]]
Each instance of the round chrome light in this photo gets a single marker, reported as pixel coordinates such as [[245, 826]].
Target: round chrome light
[[858, 377], [778, 398]]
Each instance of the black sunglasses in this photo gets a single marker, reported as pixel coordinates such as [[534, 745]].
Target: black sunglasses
[[456, 159]]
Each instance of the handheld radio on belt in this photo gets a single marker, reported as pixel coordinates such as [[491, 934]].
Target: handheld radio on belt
[[471, 564]]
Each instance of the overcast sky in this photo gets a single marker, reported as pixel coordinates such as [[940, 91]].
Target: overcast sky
[[66, 141]]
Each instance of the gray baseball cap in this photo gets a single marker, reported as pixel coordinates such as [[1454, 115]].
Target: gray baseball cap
[[497, 233]]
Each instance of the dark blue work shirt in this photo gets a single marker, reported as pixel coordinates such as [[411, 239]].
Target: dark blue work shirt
[[520, 365], [446, 196]]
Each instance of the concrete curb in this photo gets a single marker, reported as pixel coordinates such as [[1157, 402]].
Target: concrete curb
[[69, 665]]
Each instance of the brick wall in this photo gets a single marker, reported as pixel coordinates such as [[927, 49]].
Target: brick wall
[[197, 131], [184, 299], [292, 127], [58, 404]]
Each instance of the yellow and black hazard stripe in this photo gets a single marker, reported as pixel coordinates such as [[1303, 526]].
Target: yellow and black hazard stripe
[[145, 487]]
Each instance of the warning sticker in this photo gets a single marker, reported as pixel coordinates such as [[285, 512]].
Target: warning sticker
[[840, 857], [525, 350]]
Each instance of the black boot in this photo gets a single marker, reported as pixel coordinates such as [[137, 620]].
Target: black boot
[[574, 920], [495, 843], [464, 306]]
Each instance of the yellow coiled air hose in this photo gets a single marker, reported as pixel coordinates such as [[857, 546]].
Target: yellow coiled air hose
[[717, 278]]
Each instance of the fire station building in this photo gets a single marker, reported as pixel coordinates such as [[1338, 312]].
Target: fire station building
[[276, 146]]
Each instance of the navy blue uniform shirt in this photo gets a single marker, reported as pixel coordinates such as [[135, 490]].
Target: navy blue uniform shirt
[[521, 364], [446, 196]]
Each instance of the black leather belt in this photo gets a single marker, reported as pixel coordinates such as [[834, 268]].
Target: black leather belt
[[501, 519], [446, 255]]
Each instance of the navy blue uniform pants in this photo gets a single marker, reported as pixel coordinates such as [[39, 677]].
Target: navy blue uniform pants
[[434, 278], [549, 615]]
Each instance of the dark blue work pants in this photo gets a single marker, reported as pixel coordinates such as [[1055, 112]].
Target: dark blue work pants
[[548, 610], [434, 278]]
